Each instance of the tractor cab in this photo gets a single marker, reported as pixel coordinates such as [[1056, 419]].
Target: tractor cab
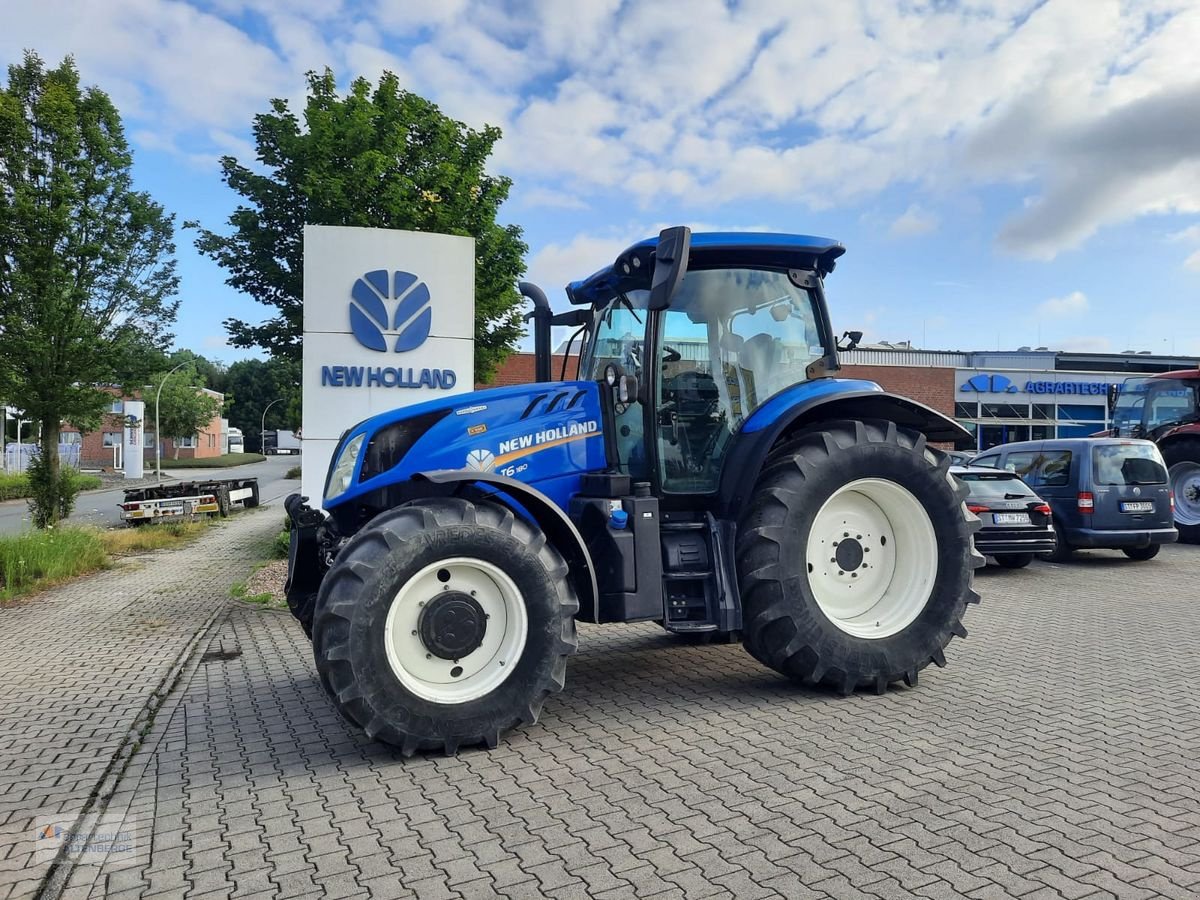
[[744, 319], [1147, 407]]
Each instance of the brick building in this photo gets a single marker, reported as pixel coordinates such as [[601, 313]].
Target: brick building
[[102, 447]]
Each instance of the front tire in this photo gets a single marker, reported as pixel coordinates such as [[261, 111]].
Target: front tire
[[855, 557], [1182, 457], [1014, 560], [1142, 553], [444, 624]]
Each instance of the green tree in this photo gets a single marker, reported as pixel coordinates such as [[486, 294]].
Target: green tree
[[87, 267], [214, 375], [183, 407], [383, 158], [253, 384]]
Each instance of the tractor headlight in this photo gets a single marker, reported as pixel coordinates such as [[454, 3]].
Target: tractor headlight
[[343, 468]]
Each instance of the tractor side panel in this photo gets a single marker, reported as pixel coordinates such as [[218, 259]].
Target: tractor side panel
[[547, 435]]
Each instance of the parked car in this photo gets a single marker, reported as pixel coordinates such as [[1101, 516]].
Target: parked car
[[960, 457], [1105, 492], [1016, 521]]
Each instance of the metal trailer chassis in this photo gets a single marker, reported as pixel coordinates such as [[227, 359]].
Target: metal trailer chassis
[[184, 499]]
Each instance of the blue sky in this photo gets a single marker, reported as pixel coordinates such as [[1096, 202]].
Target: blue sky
[[1003, 173]]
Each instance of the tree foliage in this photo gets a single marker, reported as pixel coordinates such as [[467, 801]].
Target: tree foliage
[[253, 384], [379, 157], [86, 262], [183, 407]]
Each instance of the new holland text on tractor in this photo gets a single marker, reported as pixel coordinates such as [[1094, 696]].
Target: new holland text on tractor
[[707, 470]]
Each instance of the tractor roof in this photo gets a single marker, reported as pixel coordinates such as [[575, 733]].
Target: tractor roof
[[632, 268]]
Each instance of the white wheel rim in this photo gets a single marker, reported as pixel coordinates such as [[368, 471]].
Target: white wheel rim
[[479, 671], [1185, 483], [872, 558]]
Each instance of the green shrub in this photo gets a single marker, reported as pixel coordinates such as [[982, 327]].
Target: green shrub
[[279, 547], [293, 472], [15, 485], [48, 556], [51, 493]]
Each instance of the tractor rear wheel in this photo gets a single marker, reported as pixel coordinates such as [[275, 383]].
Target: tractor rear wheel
[[1182, 457], [444, 624], [855, 557]]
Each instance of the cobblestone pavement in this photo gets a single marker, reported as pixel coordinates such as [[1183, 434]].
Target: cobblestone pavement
[[82, 666], [1058, 755]]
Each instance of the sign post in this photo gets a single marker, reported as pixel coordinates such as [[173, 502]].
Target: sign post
[[389, 321], [131, 438]]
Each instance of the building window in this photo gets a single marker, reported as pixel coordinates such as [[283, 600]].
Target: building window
[[966, 410], [187, 443], [1043, 411], [70, 437], [1005, 411], [118, 406], [112, 438], [148, 439]]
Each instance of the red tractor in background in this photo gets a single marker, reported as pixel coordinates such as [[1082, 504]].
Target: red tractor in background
[[1165, 408]]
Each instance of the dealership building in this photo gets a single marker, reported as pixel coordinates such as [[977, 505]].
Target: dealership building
[[999, 396]]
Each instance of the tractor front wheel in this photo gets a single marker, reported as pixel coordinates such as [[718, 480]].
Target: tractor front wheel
[[855, 557], [444, 624]]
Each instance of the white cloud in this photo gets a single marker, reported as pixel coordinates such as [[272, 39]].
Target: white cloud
[[1089, 104], [912, 222], [1073, 304], [1193, 262]]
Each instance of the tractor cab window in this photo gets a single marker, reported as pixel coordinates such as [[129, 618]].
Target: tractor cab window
[[620, 337], [1170, 402], [732, 339]]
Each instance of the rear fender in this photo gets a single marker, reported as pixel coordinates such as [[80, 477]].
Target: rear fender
[[528, 503], [751, 446]]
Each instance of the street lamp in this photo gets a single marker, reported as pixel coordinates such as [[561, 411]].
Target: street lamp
[[262, 429], [157, 435]]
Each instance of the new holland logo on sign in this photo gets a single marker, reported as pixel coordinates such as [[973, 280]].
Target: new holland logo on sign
[[372, 324]]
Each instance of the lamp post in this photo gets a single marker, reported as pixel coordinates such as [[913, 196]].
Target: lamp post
[[157, 435], [262, 429]]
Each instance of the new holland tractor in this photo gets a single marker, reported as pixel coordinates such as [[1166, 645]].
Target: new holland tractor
[[706, 470], [1165, 408]]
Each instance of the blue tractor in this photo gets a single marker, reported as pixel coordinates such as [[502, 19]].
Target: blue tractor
[[706, 470]]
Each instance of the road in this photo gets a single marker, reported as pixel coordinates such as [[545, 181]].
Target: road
[[100, 507]]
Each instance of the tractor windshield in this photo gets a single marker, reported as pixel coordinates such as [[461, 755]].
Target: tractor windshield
[[732, 339], [1146, 404]]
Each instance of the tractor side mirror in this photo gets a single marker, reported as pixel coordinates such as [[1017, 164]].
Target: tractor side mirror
[[627, 389], [670, 264], [1114, 391], [853, 339]]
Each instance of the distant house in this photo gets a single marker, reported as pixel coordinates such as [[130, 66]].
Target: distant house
[[102, 448]]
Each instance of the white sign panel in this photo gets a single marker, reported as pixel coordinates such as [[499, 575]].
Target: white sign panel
[[131, 438], [389, 321]]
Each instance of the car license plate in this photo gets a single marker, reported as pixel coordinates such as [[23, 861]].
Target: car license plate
[[1012, 518], [1137, 506]]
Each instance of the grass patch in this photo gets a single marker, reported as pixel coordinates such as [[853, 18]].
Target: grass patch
[[293, 472], [214, 462], [39, 558], [15, 485], [158, 536], [238, 591]]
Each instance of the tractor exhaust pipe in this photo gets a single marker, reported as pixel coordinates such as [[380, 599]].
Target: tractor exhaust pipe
[[541, 316]]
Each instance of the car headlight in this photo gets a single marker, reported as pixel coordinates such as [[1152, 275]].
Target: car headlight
[[343, 469]]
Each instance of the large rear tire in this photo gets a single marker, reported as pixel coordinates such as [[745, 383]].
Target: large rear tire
[[1182, 457], [855, 557], [444, 624]]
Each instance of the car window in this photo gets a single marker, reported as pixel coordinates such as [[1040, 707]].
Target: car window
[[1041, 468], [1001, 486], [988, 462], [1128, 464]]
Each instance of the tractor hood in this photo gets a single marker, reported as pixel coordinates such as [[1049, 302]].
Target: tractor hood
[[532, 432], [633, 269]]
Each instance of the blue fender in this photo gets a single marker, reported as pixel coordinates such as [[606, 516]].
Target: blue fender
[[813, 402]]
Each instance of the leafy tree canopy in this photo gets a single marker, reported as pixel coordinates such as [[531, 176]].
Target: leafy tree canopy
[[253, 384], [184, 409], [379, 157], [87, 268]]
